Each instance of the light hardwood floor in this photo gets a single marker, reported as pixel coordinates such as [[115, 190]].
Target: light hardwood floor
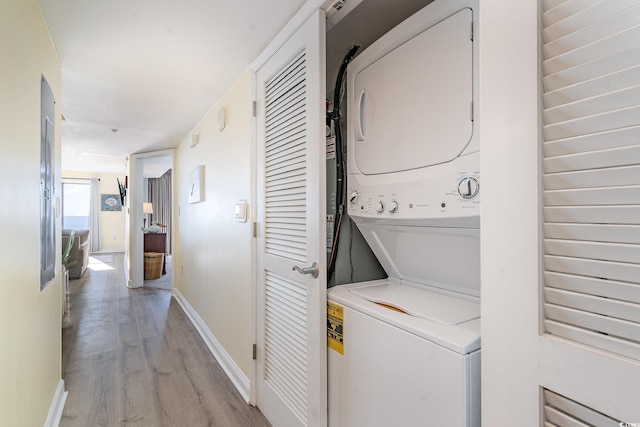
[[131, 357]]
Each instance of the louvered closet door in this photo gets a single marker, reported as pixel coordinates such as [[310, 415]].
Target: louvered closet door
[[291, 357], [591, 181]]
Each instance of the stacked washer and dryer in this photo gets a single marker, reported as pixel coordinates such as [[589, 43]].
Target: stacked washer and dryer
[[408, 347]]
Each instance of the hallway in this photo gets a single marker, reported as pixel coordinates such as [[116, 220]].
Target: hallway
[[131, 357]]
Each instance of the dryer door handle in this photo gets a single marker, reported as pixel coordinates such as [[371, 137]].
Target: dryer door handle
[[360, 123], [313, 270]]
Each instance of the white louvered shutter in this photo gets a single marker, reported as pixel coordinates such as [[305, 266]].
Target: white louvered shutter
[[285, 233], [590, 347], [285, 157], [560, 411], [592, 173]]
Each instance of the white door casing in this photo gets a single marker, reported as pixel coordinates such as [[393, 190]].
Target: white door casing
[[134, 251], [291, 307]]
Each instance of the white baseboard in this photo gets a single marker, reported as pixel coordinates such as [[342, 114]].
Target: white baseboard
[[107, 251], [57, 406], [233, 371]]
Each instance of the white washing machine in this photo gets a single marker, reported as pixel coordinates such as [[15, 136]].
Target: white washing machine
[[405, 351], [418, 367]]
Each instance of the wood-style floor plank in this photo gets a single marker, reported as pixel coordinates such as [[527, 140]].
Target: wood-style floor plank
[[131, 357]]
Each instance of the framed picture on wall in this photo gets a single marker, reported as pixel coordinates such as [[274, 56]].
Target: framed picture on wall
[[111, 202], [196, 187]]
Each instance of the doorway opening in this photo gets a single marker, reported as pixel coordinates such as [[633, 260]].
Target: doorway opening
[[150, 224]]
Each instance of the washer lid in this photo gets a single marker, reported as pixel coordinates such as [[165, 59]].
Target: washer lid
[[462, 338], [446, 258], [416, 302]]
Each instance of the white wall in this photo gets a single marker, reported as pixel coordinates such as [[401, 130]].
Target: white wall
[[211, 248], [111, 222], [30, 320], [509, 129]]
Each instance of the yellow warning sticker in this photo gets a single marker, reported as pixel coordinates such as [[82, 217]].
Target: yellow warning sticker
[[335, 323]]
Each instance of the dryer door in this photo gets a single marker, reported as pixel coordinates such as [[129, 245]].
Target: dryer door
[[412, 107]]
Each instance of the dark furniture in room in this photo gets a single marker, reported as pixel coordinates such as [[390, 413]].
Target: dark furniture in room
[[157, 242]]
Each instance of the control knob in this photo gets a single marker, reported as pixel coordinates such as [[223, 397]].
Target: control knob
[[380, 207], [468, 187], [353, 197], [393, 206]]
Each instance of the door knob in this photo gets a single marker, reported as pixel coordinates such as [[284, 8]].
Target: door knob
[[313, 270]]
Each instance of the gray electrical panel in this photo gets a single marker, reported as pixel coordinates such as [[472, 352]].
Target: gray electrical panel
[[47, 217]]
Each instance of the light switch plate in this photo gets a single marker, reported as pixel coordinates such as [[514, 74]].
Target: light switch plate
[[241, 211]]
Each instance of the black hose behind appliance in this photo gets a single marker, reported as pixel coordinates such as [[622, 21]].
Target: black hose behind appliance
[[341, 178]]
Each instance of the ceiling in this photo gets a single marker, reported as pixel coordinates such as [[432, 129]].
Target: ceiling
[[138, 75]]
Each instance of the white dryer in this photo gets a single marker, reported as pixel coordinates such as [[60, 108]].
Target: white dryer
[[405, 351]]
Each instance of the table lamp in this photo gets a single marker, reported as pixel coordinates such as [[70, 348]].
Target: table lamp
[[147, 208]]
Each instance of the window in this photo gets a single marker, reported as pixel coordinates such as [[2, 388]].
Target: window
[[75, 205]]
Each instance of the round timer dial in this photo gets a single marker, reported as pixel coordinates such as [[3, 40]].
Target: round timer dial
[[468, 187], [353, 197]]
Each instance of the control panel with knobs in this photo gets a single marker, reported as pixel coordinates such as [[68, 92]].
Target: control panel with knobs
[[437, 195], [453, 195]]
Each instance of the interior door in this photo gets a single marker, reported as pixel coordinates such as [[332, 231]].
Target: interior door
[[291, 305]]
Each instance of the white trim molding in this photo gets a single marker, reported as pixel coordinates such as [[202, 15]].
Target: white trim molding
[[305, 11], [233, 371], [57, 406]]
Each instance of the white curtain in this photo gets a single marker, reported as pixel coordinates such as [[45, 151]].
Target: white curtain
[[160, 197], [94, 215]]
